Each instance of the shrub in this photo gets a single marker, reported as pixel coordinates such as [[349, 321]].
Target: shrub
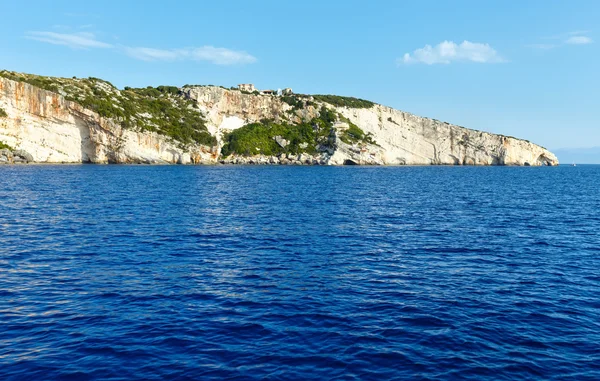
[[259, 138], [161, 109], [3, 113], [293, 101], [340, 101], [355, 134], [5, 146]]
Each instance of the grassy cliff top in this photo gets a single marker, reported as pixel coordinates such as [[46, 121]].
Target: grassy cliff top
[[165, 109], [161, 109]]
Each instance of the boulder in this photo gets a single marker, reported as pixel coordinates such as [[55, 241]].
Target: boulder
[[6, 152], [26, 156], [281, 141]]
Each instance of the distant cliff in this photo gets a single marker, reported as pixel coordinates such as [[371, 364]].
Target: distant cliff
[[56, 120]]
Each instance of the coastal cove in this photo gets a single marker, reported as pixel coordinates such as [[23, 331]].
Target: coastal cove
[[299, 272]]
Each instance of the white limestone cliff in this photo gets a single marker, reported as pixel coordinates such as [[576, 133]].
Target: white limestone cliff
[[55, 130], [402, 138], [414, 140]]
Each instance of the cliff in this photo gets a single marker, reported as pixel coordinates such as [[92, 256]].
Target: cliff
[[57, 120]]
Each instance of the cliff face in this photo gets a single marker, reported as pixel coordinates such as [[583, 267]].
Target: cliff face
[[53, 129], [402, 138], [414, 140]]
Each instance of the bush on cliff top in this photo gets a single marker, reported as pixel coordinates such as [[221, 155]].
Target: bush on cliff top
[[162, 109], [166, 111], [354, 135], [3, 113], [306, 137], [340, 101], [259, 138]]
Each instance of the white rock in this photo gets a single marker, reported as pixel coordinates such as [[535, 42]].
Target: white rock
[[54, 130]]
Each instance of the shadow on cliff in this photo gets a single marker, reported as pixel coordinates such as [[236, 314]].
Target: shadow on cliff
[[87, 145]]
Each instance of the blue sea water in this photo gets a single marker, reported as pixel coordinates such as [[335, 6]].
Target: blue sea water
[[299, 273]]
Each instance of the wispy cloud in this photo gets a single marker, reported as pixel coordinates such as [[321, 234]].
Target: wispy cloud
[[448, 51], [151, 54], [575, 33], [86, 40], [542, 46], [73, 40], [579, 37], [217, 56], [579, 40], [65, 28]]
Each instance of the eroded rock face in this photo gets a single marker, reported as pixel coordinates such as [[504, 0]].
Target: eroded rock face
[[402, 138], [53, 130], [407, 139]]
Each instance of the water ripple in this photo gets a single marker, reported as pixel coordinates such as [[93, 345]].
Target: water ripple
[[279, 273]]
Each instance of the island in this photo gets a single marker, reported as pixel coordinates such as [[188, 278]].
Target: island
[[88, 120]]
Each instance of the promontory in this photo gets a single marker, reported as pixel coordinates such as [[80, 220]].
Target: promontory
[[88, 120]]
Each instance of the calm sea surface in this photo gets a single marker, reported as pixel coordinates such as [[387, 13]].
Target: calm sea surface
[[282, 273]]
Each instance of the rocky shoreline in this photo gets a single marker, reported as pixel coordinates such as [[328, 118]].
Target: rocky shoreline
[[289, 159], [17, 156]]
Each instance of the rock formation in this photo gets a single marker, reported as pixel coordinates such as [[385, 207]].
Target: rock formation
[[52, 129]]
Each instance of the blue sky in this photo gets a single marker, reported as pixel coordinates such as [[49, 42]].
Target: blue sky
[[522, 68]]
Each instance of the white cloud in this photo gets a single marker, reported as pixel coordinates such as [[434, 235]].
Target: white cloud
[[578, 37], [217, 56], [150, 54], [577, 33], [448, 51], [542, 46], [221, 56], [73, 40], [579, 40], [86, 40]]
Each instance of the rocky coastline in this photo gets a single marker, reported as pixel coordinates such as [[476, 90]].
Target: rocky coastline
[[63, 120]]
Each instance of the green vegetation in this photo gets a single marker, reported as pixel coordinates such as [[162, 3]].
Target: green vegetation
[[158, 109], [293, 101], [161, 109], [164, 110], [297, 101], [307, 137], [259, 138], [45, 83], [3, 113], [340, 101], [5, 146], [355, 134]]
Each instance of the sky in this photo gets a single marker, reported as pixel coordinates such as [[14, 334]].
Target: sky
[[521, 68]]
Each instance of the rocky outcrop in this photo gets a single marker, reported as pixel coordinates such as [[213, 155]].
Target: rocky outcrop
[[8, 156], [53, 129], [402, 138], [407, 139]]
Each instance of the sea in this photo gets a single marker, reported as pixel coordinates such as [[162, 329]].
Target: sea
[[115, 272]]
